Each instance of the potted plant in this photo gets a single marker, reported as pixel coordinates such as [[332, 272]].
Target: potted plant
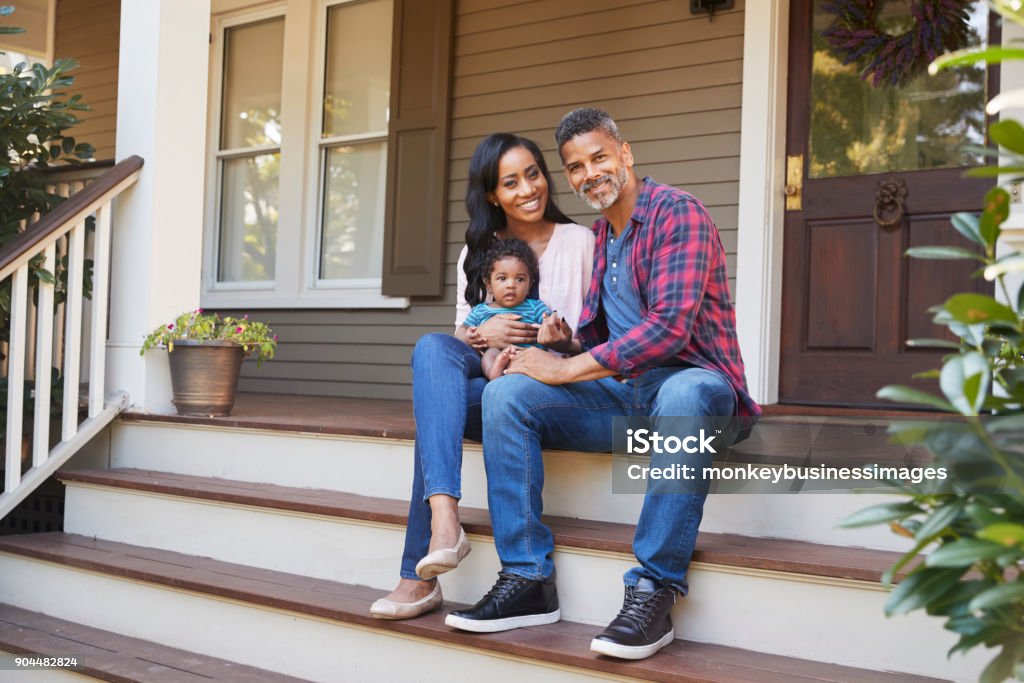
[[205, 352]]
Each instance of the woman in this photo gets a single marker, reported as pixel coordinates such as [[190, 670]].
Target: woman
[[508, 196]]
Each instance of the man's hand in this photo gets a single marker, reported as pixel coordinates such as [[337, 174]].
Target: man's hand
[[536, 363], [550, 369]]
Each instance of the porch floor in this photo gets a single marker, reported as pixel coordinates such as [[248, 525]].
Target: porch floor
[[310, 414], [784, 434]]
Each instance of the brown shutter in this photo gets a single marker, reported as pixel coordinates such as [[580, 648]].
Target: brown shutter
[[414, 214]]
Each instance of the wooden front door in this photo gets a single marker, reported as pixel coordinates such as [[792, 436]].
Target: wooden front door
[[851, 299]]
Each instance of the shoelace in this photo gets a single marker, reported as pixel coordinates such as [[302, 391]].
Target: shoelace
[[505, 586], [638, 610]]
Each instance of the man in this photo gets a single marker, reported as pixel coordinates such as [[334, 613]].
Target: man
[[658, 338]]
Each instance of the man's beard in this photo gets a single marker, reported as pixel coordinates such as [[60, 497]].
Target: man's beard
[[615, 183]]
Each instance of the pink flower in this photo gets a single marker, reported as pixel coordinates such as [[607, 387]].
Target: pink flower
[[239, 329], [171, 326], [275, 337]]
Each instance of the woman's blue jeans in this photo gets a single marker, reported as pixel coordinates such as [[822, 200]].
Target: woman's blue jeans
[[523, 415], [447, 385]]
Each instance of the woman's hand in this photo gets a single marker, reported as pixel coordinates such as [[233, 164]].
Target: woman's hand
[[555, 333], [504, 330]]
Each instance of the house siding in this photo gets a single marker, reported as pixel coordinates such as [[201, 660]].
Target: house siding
[[89, 31], [672, 81]]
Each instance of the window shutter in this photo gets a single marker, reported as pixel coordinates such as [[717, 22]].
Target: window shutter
[[415, 209]]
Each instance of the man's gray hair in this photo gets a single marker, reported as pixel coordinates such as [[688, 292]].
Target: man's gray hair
[[585, 120]]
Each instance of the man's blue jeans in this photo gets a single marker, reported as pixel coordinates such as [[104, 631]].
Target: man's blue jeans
[[446, 387], [522, 415]]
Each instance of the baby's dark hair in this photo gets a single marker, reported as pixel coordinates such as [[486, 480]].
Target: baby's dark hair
[[512, 248]]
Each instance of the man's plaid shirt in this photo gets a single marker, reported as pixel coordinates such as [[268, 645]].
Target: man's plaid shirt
[[679, 271]]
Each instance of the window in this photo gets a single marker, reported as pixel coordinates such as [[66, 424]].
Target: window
[[249, 153], [353, 142], [295, 219]]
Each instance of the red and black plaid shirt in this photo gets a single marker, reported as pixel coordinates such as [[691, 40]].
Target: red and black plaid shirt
[[678, 270]]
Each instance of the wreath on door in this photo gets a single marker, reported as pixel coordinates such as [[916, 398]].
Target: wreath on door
[[939, 26]]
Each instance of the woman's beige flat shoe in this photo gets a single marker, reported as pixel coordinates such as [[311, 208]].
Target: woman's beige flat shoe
[[388, 609], [444, 560]]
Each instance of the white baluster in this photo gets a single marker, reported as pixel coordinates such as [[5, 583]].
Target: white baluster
[[16, 376], [44, 351], [58, 324], [30, 341], [100, 283], [73, 330]]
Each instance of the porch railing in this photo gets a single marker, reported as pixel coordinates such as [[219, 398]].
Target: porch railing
[[65, 229], [62, 181]]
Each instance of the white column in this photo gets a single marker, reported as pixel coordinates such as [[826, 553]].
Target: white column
[[158, 224], [762, 176]]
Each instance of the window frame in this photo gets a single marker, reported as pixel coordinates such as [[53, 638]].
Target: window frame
[[297, 250], [319, 152]]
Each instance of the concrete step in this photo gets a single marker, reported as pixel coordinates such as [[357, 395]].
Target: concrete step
[[576, 484], [319, 630], [356, 539]]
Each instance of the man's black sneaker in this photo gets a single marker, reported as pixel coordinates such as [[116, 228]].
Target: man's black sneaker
[[643, 625], [513, 602]]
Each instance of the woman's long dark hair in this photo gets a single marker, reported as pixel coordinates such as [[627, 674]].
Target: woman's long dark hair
[[485, 218]]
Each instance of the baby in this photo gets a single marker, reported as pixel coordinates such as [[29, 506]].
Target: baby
[[512, 270]]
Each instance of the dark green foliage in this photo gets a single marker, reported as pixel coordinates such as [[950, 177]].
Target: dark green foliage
[[972, 522], [35, 114]]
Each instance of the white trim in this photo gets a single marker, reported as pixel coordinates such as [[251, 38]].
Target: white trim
[[240, 152], [313, 287], [323, 298], [354, 283], [242, 286], [163, 64], [295, 160], [762, 174], [211, 233], [340, 140]]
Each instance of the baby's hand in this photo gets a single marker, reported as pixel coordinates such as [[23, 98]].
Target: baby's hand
[[554, 332], [474, 339]]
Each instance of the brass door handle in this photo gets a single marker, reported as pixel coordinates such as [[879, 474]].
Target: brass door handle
[[794, 182]]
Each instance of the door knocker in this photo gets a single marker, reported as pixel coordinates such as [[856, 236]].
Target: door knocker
[[889, 198]]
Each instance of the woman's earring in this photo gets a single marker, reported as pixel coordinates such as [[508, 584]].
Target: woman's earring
[[496, 203]]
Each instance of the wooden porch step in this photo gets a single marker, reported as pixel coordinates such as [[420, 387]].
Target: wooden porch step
[[564, 644], [113, 657], [784, 435], [733, 550]]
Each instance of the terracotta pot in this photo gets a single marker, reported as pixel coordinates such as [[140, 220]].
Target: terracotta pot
[[204, 376]]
